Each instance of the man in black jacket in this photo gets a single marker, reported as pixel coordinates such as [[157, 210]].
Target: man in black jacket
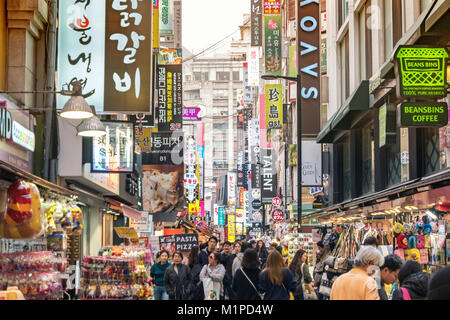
[[204, 254], [226, 259]]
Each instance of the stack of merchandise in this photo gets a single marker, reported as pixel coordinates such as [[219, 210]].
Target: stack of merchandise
[[116, 278], [36, 274], [420, 239], [143, 254]]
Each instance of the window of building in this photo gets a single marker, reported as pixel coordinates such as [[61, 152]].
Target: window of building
[[3, 33], [220, 111], [342, 11], [424, 4], [368, 40], [220, 127], [431, 154], [236, 75], [192, 95], [368, 164], [346, 169], [362, 44], [220, 94], [205, 76], [393, 163], [291, 9], [197, 76], [344, 69], [392, 25], [187, 78], [220, 164], [223, 75]]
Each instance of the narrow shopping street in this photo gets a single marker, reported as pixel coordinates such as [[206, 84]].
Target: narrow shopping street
[[241, 151]]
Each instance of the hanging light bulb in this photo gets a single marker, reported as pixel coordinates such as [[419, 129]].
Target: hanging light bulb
[[92, 127]]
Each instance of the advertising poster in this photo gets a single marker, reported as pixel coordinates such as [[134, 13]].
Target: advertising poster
[[141, 225], [274, 106], [256, 24], [216, 215], [253, 67], [142, 137], [170, 97], [185, 242], [191, 175], [167, 243], [166, 17], [162, 187], [272, 44], [114, 152], [231, 184], [164, 148], [311, 164]]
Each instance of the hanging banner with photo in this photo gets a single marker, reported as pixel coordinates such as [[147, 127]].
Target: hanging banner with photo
[[167, 243], [231, 185], [162, 187], [166, 17], [256, 24], [269, 175], [308, 64], [114, 152], [311, 164], [272, 44], [164, 148], [274, 106], [185, 242], [170, 97], [272, 6], [107, 46]]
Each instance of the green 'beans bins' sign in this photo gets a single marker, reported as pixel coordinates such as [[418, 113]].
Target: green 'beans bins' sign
[[423, 114], [422, 72]]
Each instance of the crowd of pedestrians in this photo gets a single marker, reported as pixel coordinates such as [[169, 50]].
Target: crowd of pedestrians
[[255, 270]]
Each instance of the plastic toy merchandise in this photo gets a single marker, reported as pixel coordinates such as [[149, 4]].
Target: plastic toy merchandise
[[23, 218], [77, 218], [49, 209]]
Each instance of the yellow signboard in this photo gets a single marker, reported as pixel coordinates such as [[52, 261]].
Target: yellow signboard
[[155, 22], [274, 106], [126, 232], [143, 138], [231, 228]]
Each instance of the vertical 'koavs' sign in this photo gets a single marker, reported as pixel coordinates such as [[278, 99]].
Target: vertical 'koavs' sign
[[308, 57]]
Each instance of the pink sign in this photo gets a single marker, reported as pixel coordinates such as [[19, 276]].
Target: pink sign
[[191, 114]]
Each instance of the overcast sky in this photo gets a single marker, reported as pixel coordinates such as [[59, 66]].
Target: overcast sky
[[205, 22]]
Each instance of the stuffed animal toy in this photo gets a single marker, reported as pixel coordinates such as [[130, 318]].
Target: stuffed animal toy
[[77, 216], [420, 241], [402, 241]]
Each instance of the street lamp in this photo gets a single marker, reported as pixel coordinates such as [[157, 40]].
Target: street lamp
[[269, 76]]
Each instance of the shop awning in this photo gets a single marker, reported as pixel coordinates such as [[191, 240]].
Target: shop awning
[[326, 134], [131, 213], [36, 180], [358, 101]]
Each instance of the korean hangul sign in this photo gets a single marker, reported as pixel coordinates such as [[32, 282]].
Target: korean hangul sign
[[248, 92], [253, 67], [185, 242], [272, 7], [274, 106], [155, 24], [231, 183], [256, 22], [170, 105], [166, 17], [221, 216], [107, 46], [272, 44], [231, 227], [142, 137], [163, 148], [191, 174]]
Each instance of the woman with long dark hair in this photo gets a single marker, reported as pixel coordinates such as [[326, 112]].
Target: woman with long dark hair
[[196, 267], [246, 279], [262, 253], [300, 269], [177, 280], [275, 280]]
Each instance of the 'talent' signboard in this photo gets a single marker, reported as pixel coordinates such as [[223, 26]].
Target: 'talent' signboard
[[107, 46], [421, 72], [423, 114], [114, 152]]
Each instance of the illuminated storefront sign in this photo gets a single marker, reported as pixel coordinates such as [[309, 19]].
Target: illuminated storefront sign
[[114, 152], [423, 114], [421, 72], [22, 136]]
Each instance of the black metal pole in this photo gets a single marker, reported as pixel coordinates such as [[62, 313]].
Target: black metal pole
[[299, 155]]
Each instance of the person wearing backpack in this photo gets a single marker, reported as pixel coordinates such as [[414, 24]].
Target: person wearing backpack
[[413, 282], [246, 278]]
